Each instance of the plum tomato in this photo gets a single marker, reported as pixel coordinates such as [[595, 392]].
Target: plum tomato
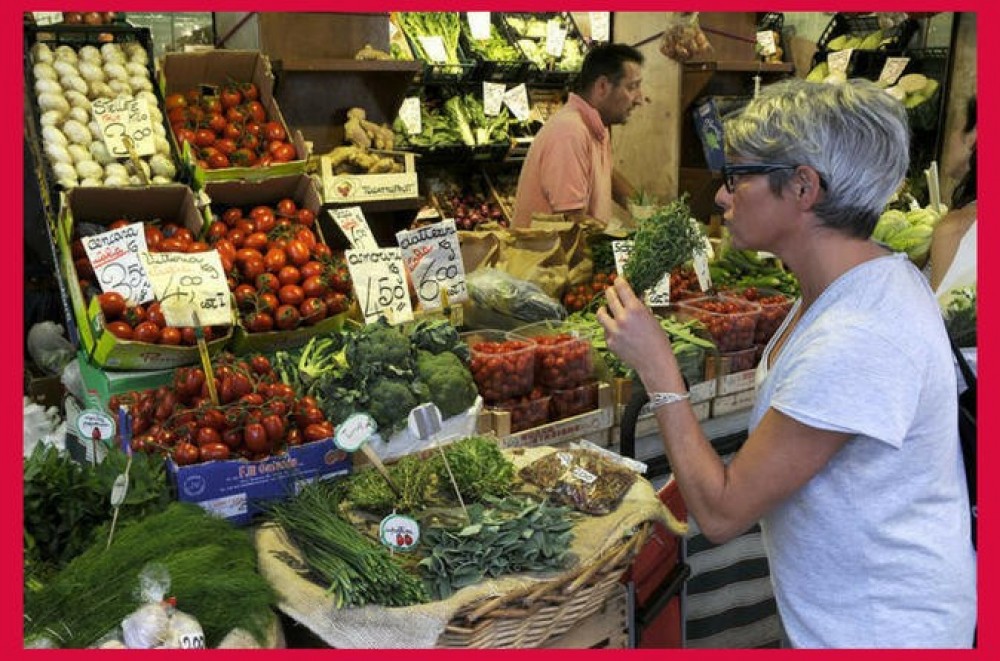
[[214, 451], [113, 305], [186, 453], [120, 329], [255, 438]]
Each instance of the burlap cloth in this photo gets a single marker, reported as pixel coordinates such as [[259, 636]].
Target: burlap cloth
[[420, 626]]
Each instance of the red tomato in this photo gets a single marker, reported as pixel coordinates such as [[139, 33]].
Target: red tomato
[[314, 287], [291, 295], [255, 109], [245, 295], [113, 305], [274, 131], [204, 137], [312, 310], [335, 302], [249, 91], [289, 275], [231, 215], [226, 145], [230, 97], [322, 252], [175, 100], [287, 317], [265, 222], [253, 267], [260, 364], [244, 156], [218, 123], [293, 436], [186, 453], [284, 153], [298, 252], [317, 432], [259, 322], [267, 282], [267, 302], [286, 207], [214, 451], [256, 240], [255, 438], [147, 332], [236, 115], [218, 161], [305, 217], [185, 135], [275, 259], [275, 428], [205, 435]]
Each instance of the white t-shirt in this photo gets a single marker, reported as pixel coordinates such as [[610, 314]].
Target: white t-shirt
[[875, 550]]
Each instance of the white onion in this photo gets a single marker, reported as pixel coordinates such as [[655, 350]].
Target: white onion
[[80, 114], [116, 169], [77, 132], [64, 171], [75, 83], [140, 83], [45, 70], [53, 136], [89, 170], [90, 53], [65, 68], [115, 71], [52, 118], [65, 52], [41, 52], [43, 85], [92, 72], [50, 101], [79, 153], [99, 152], [58, 154], [77, 100]]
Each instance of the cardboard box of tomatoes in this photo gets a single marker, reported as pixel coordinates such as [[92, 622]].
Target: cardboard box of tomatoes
[[103, 206], [224, 118], [236, 489], [295, 195]]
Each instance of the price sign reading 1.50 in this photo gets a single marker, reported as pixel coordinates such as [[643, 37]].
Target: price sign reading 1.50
[[434, 261], [124, 117], [380, 283], [189, 283]]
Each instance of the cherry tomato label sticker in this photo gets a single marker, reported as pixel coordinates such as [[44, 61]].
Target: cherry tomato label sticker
[[352, 433], [399, 532], [95, 425]]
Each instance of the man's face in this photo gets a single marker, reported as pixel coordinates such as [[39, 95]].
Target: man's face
[[619, 100]]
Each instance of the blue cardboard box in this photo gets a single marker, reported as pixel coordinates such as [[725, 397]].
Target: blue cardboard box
[[235, 489], [708, 124]]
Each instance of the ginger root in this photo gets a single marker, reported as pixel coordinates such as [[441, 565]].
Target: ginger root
[[371, 53], [360, 131]]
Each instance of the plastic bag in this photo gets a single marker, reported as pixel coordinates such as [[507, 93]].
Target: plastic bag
[[158, 623], [501, 292], [586, 480], [48, 348], [684, 39], [42, 425]]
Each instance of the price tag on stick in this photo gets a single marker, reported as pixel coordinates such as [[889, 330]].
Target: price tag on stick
[[432, 257], [434, 47], [352, 435], [115, 257], [893, 69], [124, 117], [379, 278], [353, 224], [839, 61], [409, 113], [516, 99], [600, 25], [189, 285]]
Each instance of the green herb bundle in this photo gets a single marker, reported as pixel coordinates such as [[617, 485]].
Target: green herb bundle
[[508, 535], [356, 570], [663, 242], [213, 575]]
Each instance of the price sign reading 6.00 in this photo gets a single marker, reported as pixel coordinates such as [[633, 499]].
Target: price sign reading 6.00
[[121, 118], [434, 261], [380, 283]]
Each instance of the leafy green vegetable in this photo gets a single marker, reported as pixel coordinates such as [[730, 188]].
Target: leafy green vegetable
[[429, 24], [494, 49], [662, 242], [960, 316]]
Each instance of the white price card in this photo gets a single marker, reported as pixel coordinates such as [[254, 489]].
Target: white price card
[[124, 117], [409, 112], [765, 42], [187, 283], [839, 61], [434, 260], [434, 47], [516, 99], [659, 295], [493, 98], [555, 38], [622, 251], [479, 24], [600, 26], [893, 69], [380, 283], [47, 17], [352, 223], [701, 259], [115, 257], [352, 433], [95, 425]]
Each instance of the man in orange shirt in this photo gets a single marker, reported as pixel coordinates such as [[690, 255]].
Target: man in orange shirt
[[569, 168]]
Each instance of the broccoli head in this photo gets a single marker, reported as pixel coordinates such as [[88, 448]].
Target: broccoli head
[[390, 402], [449, 381], [379, 349]]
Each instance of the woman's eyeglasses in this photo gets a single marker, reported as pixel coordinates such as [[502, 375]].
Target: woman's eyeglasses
[[731, 171]]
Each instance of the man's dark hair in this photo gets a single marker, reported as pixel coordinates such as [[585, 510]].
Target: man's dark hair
[[606, 60]]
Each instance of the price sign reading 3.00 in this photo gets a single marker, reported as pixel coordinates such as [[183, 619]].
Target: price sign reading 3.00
[[189, 283], [380, 284], [434, 261], [124, 117]]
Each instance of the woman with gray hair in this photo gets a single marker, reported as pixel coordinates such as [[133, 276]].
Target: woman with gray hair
[[852, 463]]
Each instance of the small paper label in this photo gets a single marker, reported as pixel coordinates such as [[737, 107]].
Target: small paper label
[[493, 94], [600, 25], [380, 284], [114, 256], [121, 118], [434, 47], [409, 113], [701, 259], [95, 425], [479, 24], [659, 295], [838, 61], [399, 532], [353, 224], [584, 475], [185, 634], [622, 250], [516, 99], [893, 69], [189, 284], [119, 489], [352, 433], [555, 38], [47, 17], [433, 258], [765, 42]]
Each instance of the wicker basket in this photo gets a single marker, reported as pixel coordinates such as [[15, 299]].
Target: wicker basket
[[529, 617]]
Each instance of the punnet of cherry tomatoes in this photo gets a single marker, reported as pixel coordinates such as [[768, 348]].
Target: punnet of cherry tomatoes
[[141, 322], [774, 307], [731, 321], [282, 275], [228, 129], [257, 415], [578, 297]]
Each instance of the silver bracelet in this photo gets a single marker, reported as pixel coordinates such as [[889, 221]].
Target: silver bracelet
[[658, 399]]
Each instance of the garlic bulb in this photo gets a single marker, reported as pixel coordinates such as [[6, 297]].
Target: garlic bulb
[[79, 153], [50, 101], [99, 152], [51, 135], [40, 52], [89, 170], [45, 70]]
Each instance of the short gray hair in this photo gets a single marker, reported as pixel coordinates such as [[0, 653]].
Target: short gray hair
[[853, 134]]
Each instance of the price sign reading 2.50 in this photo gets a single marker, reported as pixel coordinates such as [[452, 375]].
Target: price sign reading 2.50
[[380, 284], [435, 263]]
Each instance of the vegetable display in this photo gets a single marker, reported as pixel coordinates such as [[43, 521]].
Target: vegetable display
[[740, 269], [908, 232], [531, 32], [66, 81], [730, 321], [459, 120], [494, 49], [445, 25]]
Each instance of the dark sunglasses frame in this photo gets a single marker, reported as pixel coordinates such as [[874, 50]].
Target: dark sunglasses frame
[[730, 171]]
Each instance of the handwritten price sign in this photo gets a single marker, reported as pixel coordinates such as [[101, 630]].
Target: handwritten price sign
[[124, 117], [353, 224], [186, 283], [115, 257], [432, 256], [380, 284]]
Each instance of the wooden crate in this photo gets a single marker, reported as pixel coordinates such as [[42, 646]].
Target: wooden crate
[[605, 629]]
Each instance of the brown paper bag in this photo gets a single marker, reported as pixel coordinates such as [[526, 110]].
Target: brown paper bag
[[573, 237], [481, 249], [536, 255]]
